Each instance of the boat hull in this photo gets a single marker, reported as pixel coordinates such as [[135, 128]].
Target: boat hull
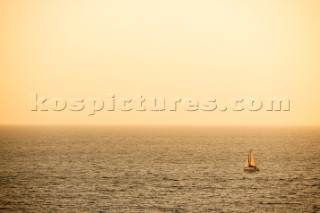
[[251, 169]]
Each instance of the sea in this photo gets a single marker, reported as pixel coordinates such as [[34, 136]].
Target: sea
[[158, 169]]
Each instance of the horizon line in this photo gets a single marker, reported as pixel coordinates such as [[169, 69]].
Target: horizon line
[[169, 125]]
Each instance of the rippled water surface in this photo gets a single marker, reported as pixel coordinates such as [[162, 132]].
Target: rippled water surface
[[158, 169]]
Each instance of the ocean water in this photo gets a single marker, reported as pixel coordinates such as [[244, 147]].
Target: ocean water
[[158, 169]]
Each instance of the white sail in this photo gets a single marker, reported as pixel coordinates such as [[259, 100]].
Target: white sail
[[247, 163], [252, 161]]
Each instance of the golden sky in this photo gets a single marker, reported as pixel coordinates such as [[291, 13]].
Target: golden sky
[[221, 49]]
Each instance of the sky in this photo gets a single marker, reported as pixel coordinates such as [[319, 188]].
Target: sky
[[189, 49]]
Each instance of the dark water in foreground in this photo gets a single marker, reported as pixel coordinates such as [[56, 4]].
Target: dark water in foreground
[[158, 169]]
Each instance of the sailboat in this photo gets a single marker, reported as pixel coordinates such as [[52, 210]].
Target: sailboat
[[251, 163]]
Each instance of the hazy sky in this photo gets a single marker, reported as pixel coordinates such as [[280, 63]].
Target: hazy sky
[[221, 49]]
